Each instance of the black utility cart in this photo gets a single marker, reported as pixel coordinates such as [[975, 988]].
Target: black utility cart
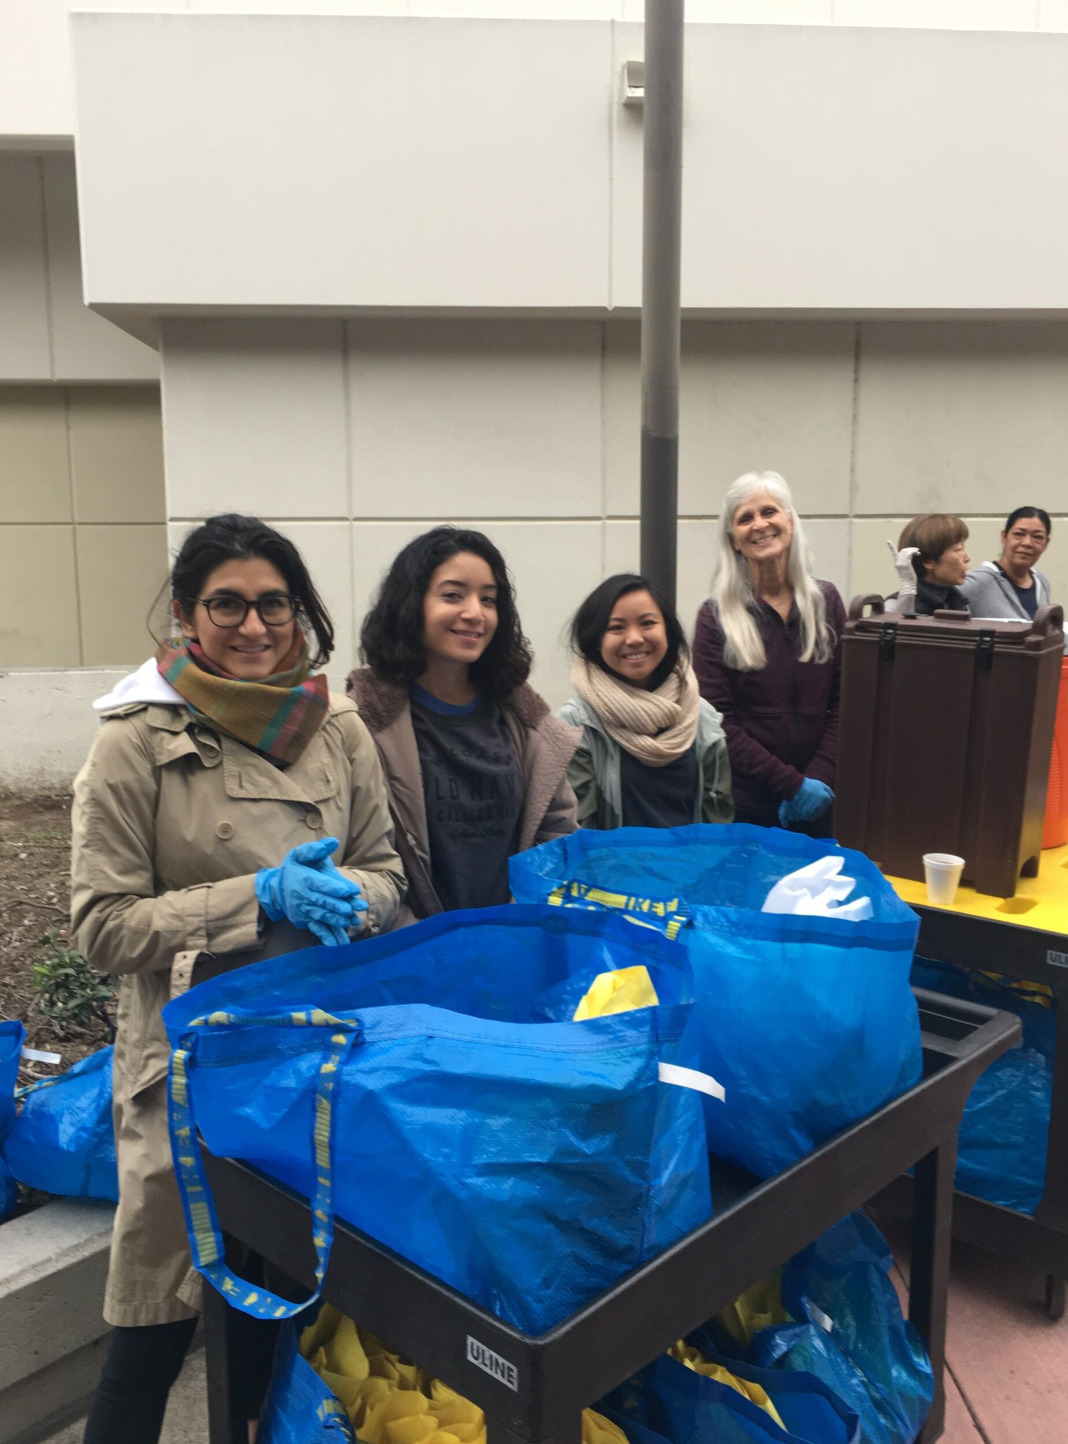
[[534, 1389], [1016, 948]]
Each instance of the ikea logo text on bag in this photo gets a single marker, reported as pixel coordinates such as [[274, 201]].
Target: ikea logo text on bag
[[492, 1363]]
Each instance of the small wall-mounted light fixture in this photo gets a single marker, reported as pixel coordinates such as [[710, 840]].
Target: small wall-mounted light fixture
[[633, 79]]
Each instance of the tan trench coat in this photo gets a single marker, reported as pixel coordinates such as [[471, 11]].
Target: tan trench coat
[[170, 824], [543, 747]]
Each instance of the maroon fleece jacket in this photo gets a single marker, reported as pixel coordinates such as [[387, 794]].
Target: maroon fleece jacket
[[781, 722]]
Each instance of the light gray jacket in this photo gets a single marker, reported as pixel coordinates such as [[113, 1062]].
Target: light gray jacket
[[990, 594], [594, 770]]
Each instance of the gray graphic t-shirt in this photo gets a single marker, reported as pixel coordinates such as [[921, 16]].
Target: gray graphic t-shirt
[[473, 790]]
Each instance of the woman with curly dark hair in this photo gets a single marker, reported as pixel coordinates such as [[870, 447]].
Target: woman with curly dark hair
[[475, 763]]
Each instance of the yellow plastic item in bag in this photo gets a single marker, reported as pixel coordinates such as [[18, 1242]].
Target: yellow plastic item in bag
[[392, 1401], [388, 1399], [596, 1429], [618, 992], [758, 1308], [693, 1359]]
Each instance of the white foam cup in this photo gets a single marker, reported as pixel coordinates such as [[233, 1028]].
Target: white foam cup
[[942, 871]]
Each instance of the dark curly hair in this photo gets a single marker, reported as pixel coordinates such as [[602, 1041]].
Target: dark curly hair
[[392, 637], [591, 622], [229, 537]]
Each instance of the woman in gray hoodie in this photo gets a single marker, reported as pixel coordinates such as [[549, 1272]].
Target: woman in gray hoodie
[[1011, 588]]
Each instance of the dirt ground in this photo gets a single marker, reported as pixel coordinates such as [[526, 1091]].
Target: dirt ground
[[34, 900]]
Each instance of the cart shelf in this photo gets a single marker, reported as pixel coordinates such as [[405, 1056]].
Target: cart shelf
[[1023, 937], [540, 1385]]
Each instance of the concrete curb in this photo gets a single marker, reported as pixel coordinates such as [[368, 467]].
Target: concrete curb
[[53, 1265]]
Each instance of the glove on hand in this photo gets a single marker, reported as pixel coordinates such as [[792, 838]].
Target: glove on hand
[[810, 801], [311, 892], [906, 572]]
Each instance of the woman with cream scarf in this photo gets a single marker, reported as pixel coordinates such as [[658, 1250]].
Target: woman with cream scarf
[[653, 752]]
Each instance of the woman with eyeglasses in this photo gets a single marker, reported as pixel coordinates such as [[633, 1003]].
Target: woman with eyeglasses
[[227, 793]]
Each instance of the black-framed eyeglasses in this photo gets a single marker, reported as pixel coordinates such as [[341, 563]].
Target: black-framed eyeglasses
[[275, 610]]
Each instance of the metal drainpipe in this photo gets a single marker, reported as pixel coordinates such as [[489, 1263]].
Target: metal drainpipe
[[661, 265]]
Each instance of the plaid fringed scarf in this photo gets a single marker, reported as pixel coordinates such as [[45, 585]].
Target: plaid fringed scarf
[[277, 716]]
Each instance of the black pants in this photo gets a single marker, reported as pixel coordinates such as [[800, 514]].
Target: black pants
[[143, 1363]]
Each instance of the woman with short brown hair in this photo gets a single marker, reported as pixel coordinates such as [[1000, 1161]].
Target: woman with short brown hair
[[932, 563]]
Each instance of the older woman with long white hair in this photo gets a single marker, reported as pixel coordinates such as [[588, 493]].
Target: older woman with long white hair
[[767, 656]]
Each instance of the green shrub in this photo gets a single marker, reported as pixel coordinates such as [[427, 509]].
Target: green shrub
[[69, 993]]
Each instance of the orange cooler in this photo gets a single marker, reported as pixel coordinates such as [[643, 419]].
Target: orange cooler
[[1055, 831]]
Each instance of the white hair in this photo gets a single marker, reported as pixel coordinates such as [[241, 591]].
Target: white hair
[[732, 590]]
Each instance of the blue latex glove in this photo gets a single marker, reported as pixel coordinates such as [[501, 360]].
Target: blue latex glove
[[810, 801], [311, 892]]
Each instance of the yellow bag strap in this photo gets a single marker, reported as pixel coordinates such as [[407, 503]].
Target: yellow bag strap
[[666, 915], [202, 1224]]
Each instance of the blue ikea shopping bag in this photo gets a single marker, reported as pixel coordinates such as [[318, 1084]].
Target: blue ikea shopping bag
[[300, 1408], [808, 1407], [849, 1331], [430, 1086], [12, 1035], [63, 1140], [808, 1022], [1004, 1134], [683, 1406]]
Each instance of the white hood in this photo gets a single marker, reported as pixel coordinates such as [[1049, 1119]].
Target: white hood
[[144, 685]]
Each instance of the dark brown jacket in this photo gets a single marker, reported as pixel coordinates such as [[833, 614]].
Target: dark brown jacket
[[543, 748], [781, 722]]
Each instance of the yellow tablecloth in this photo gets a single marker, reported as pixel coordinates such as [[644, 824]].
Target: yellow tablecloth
[[1040, 902]]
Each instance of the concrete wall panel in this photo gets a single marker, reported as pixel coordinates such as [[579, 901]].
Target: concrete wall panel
[[481, 418], [754, 396], [34, 467], [293, 7], [38, 597], [86, 347], [255, 418], [25, 345], [852, 169], [116, 449], [1053, 15], [967, 417], [747, 12], [938, 14], [120, 572], [47, 333], [36, 84], [381, 162]]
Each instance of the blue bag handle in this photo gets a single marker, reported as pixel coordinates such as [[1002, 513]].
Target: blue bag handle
[[667, 915], [201, 1220]]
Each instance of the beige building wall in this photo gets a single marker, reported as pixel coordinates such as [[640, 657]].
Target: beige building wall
[[353, 437], [82, 533], [47, 333], [36, 88], [82, 512]]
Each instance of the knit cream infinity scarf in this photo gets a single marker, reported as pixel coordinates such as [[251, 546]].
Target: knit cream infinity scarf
[[655, 727]]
